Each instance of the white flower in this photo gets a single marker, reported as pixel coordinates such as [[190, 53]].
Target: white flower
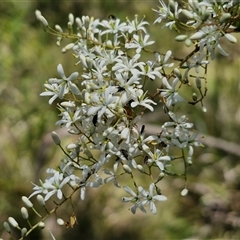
[[163, 12], [112, 177], [140, 100], [139, 42], [55, 184], [51, 90], [65, 83], [158, 158], [134, 199], [51, 185], [170, 94], [163, 61], [149, 198], [113, 26], [125, 65], [150, 71], [104, 102], [69, 116], [135, 26]]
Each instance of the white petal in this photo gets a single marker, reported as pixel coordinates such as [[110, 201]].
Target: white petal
[[130, 191], [153, 207], [61, 71]]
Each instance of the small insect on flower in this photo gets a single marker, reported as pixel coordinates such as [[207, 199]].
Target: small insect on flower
[[124, 153], [95, 119], [111, 17], [142, 129], [72, 221]]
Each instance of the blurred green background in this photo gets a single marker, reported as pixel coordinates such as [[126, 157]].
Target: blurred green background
[[29, 56]]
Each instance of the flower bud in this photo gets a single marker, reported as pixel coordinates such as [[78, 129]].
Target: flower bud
[[68, 104], [58, 43], [27, 202], [204, 109], [184, 192], [178, 73], [43, 21], [40, 200], [89, 62], [189, 161], [55, 138], [198, 82], [197, 35], [68, 47], [158, 190], [38, 14], [72, 146], [161, 176], [60, 222], [194, 97], [24, 212], [140, 168], [225, 17], [127, 168], [58, 28], [41, 225], [23, 232], [71, 18], [13, 222], [188, 42], [79, 22], [181, 38], [7, 227], [69, 25]]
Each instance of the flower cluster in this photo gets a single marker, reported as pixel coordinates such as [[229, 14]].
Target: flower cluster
[[104, 100]]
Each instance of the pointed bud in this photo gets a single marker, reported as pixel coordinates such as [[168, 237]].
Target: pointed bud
[[158, 190], [225, 17], [140, 168], [40, 200], [58, 28], [71, 18], [13, 222], [27, 202], [60, 222], [68, 47], [127, 168], [178, 73], [204, 109], [55, 138], [181, 38], [161, 176], [184, 192], [7, 227], [189, 161], [194, 97], [38, 14], [24, 212], [41, 225], [198, 82], [23, 232], [188, 42], [43, 21], [197, 35]]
